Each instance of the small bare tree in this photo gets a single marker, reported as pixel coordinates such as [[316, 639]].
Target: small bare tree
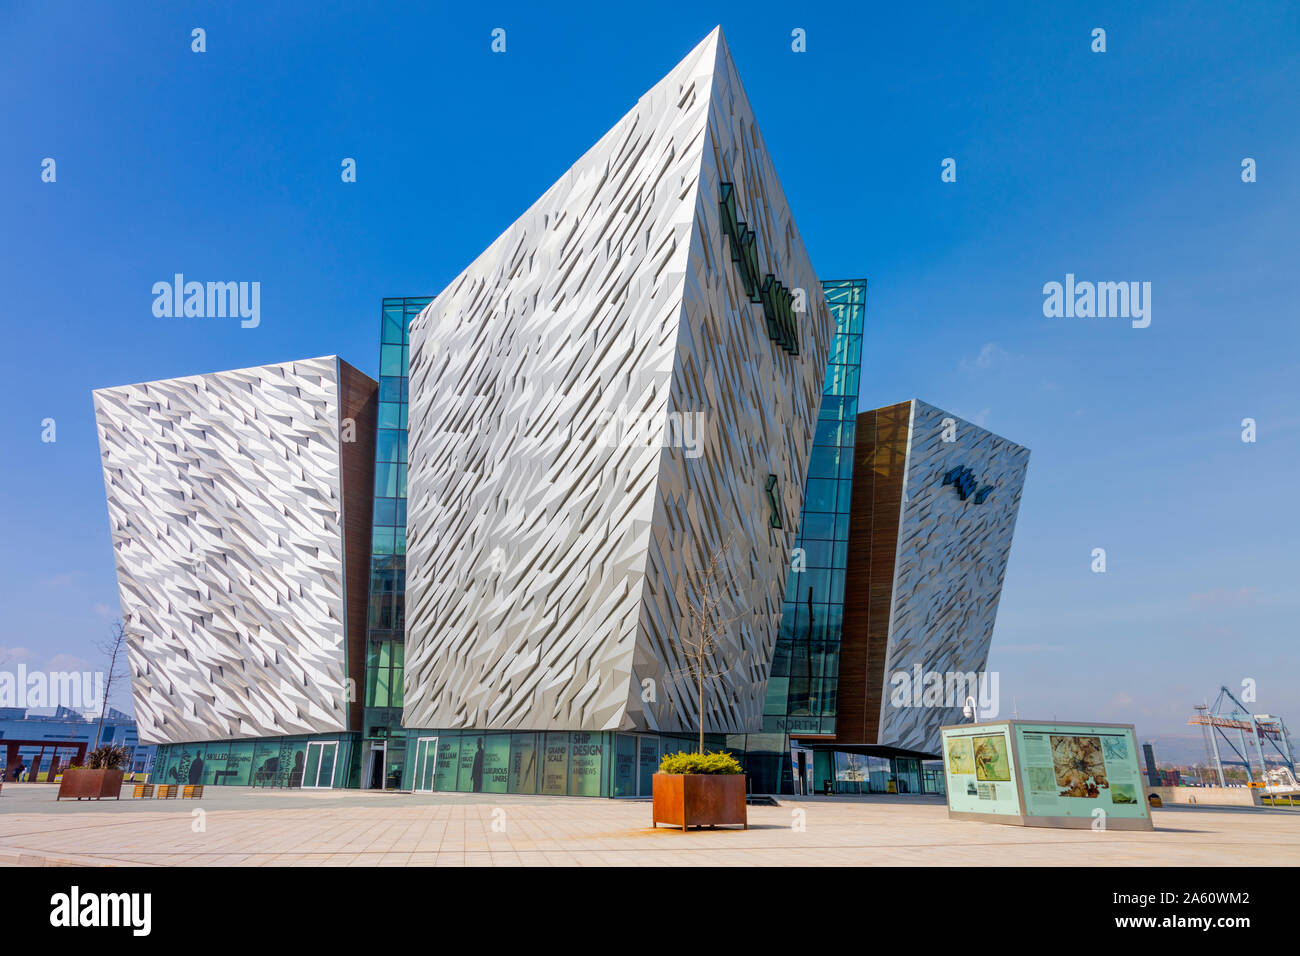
[[112, 647], [700, 640]]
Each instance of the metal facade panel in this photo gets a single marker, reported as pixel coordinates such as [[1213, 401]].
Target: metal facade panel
[[547, 563], [224, 500], [952, 558]]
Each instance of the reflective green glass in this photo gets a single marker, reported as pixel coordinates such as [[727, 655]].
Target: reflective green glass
[[312, 766], [444, 777], [585, 764], [387, 604], [804, 672], [555, 765], [624, 766], [387, 443], [385, 479], [390, 360], [328, 755]]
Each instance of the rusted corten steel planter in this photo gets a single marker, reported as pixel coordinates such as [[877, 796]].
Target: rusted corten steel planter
[[700, 800], [91, 784]]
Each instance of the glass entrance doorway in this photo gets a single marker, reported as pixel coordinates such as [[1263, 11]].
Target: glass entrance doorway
[[374, 770], [318, 771], [426, 761], [801, 766]]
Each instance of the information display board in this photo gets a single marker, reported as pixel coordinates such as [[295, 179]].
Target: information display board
[[1031, 773], [980, 769], [1072, 770]]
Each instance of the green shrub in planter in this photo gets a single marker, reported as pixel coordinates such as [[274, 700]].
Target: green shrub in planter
[[107, 757], [720, 763]]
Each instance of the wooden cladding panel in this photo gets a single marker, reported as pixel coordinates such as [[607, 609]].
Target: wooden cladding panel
[[879, 465], [358, 401]]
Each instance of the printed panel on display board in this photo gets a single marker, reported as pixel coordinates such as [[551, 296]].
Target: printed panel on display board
[[1071, 770], [980, 770]]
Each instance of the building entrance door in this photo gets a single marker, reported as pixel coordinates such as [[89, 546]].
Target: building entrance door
[[426, 761], [375, 766], [801, 769], [647, 765], [318, 771]]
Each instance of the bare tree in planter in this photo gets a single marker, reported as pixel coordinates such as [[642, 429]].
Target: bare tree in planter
[[112, 647], [706, 625]]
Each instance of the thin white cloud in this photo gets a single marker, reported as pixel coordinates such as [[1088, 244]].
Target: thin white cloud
[[67, 662], [989, 356]]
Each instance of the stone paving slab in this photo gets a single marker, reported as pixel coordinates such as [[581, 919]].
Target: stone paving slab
[[243, 827]]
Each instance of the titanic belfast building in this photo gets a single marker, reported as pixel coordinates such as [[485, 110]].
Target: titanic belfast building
[[479, 572]]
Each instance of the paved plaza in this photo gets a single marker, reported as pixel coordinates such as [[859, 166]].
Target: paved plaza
[[339, 828]]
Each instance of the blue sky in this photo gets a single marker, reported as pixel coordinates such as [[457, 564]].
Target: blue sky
[[1123, 165]]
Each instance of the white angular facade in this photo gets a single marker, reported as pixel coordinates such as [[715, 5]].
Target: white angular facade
[[226, 499], [960, 502], [551, 553]]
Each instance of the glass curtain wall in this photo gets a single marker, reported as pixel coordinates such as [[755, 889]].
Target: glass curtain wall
[[384, 748], [573, 764], [805, 666], [265, 762]]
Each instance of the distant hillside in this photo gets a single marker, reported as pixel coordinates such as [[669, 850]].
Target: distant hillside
[[1183, 749]]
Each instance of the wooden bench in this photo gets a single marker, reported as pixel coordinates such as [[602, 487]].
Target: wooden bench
[[192, 791], [166, 791], [142, 791]]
